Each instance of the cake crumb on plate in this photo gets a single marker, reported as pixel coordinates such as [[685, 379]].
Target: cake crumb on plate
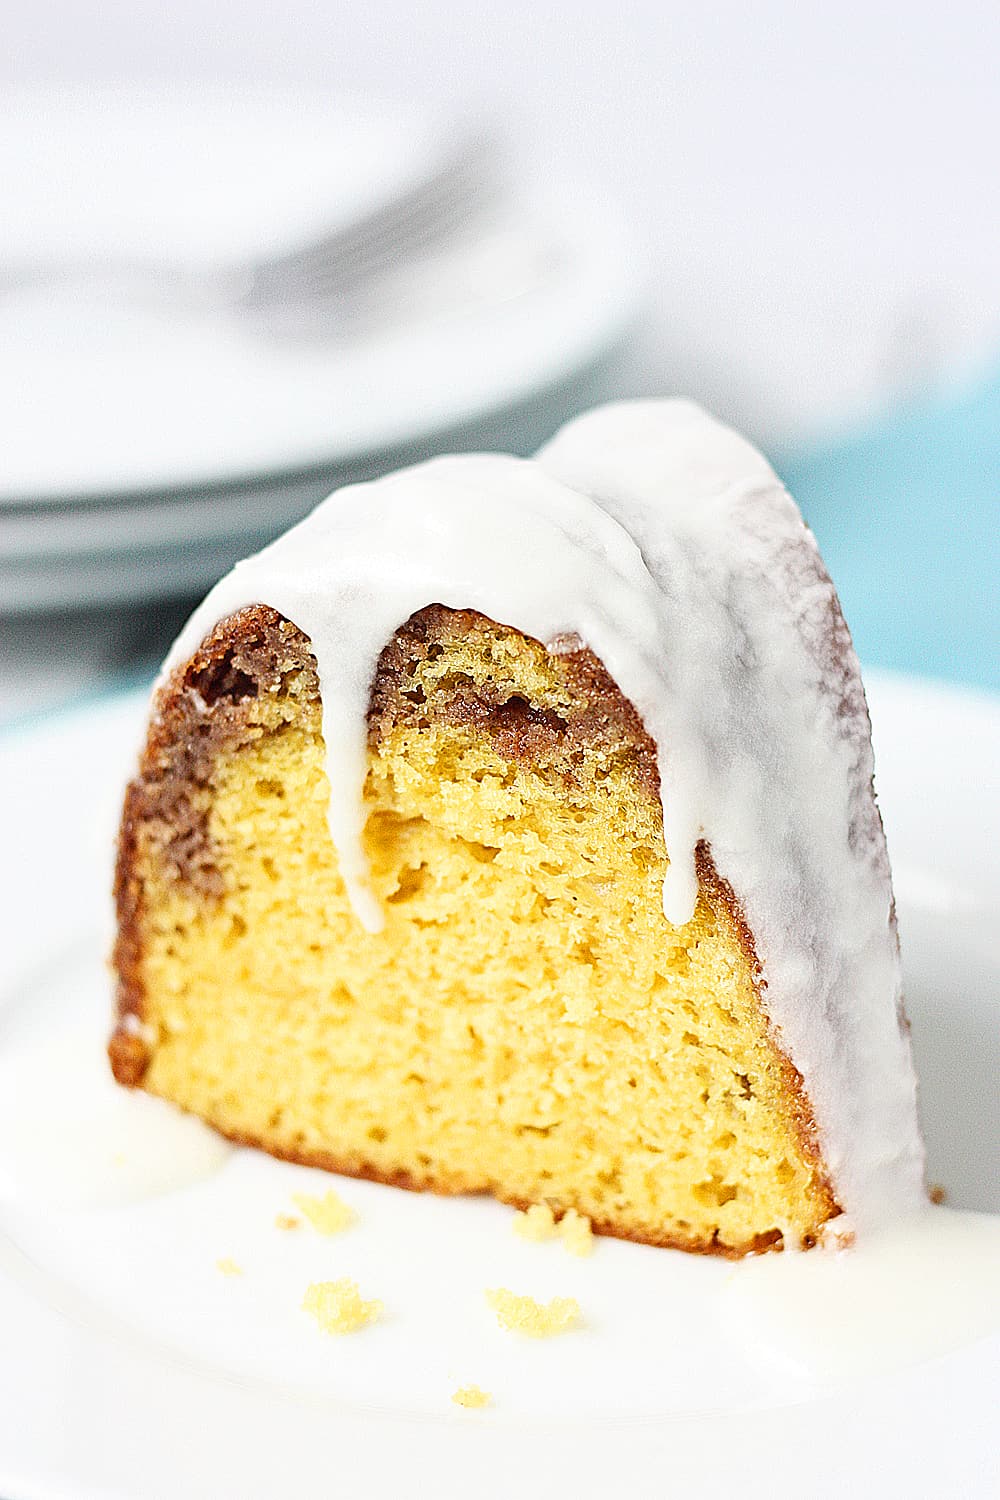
[[228, 1266], [338, 1306], [576, 1233], [471, 1396], [535, 1223], [287, 1221], [327, 1215], [539, 1223], [538, 1320]]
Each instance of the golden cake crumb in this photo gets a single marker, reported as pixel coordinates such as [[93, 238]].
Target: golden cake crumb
[[471, 1396], [575, 1232], [535, 1223], [539, 1223], [229, 1267], [936, 1193], [338, 1307], [327, 1215], [287, 1221], [535, 1319]]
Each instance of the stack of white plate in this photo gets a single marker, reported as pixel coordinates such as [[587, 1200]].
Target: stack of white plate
[[149, 439]]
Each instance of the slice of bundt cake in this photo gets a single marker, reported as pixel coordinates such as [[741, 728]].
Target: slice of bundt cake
[[508, 827]]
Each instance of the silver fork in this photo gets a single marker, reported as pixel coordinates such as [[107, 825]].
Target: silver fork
[[328, 269]]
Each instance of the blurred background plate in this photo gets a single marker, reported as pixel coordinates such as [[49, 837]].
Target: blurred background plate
[[198, 172], [157, 422], [121, 388]]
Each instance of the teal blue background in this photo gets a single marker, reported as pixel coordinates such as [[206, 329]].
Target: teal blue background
[[907, 514]]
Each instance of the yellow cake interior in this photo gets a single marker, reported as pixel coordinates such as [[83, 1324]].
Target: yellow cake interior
[[527, 1023]]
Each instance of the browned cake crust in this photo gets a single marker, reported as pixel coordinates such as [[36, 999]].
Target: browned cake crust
[[202, 710]]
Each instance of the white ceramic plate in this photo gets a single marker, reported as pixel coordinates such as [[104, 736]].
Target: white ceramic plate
[[129, 1366], [98, 397]]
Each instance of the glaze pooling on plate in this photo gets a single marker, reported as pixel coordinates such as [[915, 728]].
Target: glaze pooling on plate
[[71, 1138], [668, 546], [912, 1290]]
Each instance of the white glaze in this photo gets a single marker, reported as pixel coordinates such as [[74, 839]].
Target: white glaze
[[912, 1290], [71, 1138], [666, 543]]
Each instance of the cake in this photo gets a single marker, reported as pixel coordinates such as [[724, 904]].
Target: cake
[[508, 827]]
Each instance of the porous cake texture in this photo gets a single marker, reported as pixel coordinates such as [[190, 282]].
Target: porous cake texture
[[526, 1023]]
